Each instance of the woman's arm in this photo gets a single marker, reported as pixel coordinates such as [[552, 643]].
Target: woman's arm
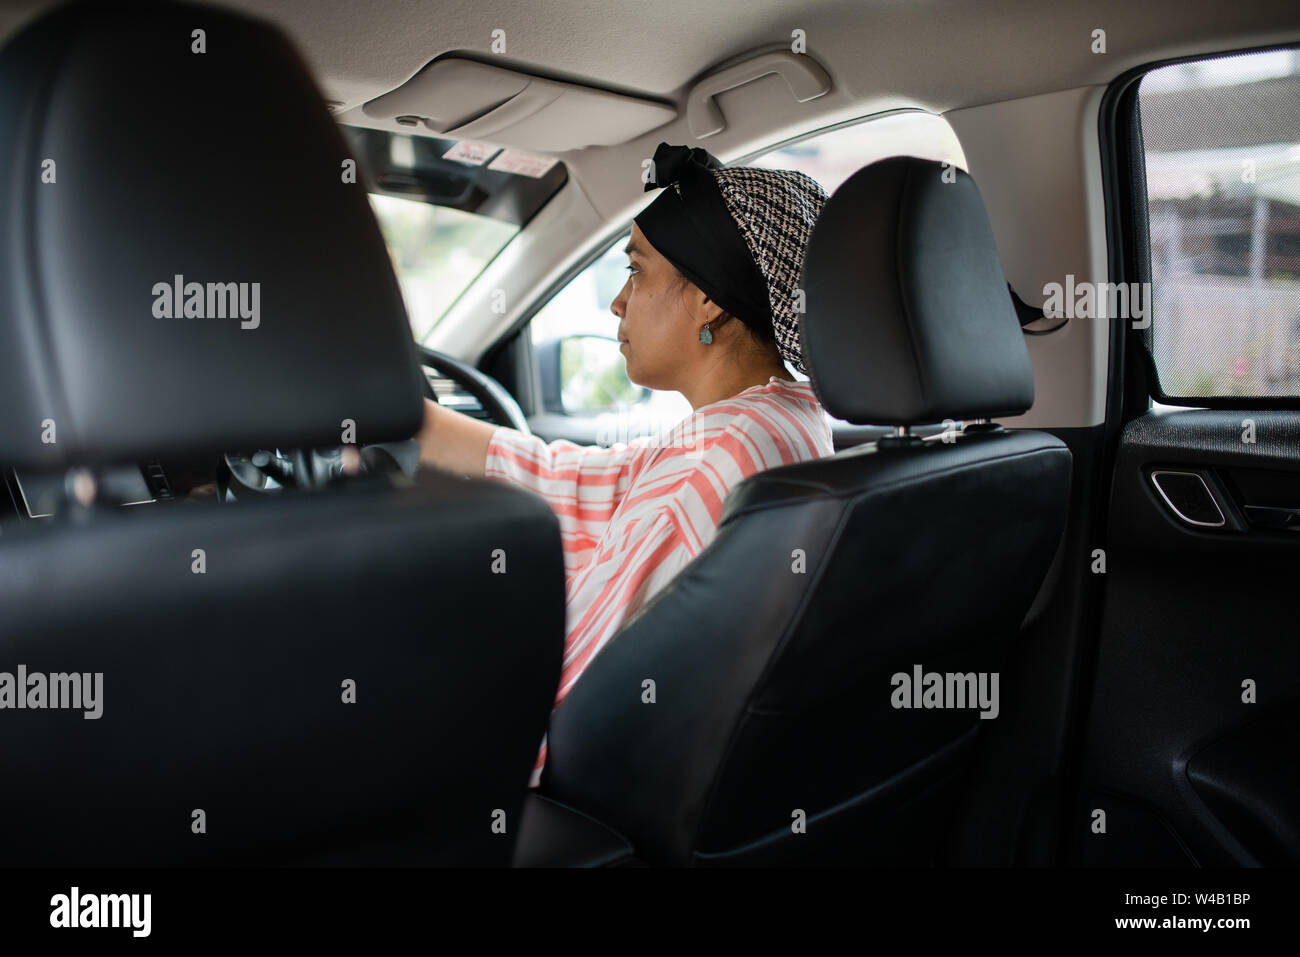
[[454, 441], [582, 484]]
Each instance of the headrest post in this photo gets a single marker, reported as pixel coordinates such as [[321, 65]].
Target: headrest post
[[982, 427], [901, 438]]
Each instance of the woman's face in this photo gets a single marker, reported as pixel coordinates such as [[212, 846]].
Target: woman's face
[[656, 326]]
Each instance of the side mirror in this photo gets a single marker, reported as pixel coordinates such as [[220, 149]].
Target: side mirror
[[586, 375]]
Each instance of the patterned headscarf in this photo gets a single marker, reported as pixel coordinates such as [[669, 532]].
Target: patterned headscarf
[[739, 234]]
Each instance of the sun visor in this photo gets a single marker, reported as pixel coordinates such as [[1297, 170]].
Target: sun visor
[[464, 99]]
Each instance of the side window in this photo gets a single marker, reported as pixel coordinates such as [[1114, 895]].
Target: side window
[[574, 335], [1222, 146], [832, 156]]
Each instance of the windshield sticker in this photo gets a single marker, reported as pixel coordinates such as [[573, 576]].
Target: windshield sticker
[[470, 152], [523, 163]]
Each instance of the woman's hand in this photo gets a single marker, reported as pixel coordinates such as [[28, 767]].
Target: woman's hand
[[453, 441]]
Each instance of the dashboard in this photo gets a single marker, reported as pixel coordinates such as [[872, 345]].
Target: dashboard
[[41, 495], [31, 496]]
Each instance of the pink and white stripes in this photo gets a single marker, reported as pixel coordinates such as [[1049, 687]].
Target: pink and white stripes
[[633, 515]]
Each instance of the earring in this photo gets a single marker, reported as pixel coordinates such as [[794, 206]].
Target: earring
[[706, 336]]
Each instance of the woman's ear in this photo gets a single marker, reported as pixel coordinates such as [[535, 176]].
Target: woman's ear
[[721, 318], [689, 295], [711, 312], [697, 303]]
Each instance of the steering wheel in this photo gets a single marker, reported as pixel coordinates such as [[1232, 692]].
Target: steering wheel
[[491, 395], [271, 470]]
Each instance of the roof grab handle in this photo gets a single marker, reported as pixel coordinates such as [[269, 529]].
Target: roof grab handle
[[804, 76]]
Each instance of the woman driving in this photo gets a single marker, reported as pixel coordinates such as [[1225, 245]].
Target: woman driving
[[710, 309]]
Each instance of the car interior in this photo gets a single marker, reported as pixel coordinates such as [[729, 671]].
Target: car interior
[[1052, 311]]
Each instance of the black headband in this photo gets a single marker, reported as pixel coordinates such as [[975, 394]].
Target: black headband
[[694, 231]]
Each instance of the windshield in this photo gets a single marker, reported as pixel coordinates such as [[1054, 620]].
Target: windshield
[[446, 208], [437, 252]]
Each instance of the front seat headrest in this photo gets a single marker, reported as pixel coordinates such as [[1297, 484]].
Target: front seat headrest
[[188, 262], [908, 319]]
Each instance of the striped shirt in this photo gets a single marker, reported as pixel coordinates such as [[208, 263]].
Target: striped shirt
[[634, 514]]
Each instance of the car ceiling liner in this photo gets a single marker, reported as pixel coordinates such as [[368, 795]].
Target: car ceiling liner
[[458, 97], [465, 99]]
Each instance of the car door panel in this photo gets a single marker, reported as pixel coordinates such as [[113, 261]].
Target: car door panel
[[1195, 716]]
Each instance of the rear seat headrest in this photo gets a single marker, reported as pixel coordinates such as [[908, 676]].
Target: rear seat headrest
[[186, 264]]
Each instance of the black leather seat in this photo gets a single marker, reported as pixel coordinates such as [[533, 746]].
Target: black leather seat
[[323, 675], [774, 736]]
